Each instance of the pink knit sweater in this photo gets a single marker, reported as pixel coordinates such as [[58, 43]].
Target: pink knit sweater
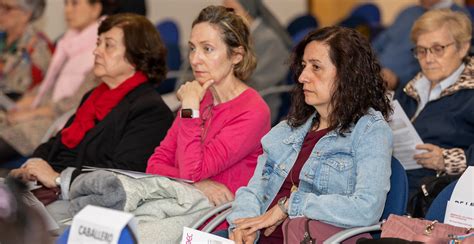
[[222, 145]]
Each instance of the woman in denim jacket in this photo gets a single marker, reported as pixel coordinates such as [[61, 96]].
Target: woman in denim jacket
[[330, 161]]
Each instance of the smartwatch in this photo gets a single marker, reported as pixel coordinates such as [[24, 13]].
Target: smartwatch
[[189, 113], [58, 181]]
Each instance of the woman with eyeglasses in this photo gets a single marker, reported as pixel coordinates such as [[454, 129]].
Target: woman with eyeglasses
[[215, 140], [440, 99], [24, 51]]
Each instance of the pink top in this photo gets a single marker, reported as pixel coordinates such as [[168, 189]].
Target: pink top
[[228, 153], [72, 60]]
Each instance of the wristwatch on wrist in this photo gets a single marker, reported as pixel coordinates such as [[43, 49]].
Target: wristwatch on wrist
[[189, 113], [281, 204], [58, 181]]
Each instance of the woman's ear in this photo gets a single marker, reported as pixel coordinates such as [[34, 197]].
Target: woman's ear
[[237, 55], [464, 49]]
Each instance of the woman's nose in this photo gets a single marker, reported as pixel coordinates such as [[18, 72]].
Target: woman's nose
[[194, 58], [96, 51], [303, 76]]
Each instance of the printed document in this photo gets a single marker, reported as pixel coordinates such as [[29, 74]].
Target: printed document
[[405, 138]]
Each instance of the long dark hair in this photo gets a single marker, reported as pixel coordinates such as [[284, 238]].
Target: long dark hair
[[358, 85]]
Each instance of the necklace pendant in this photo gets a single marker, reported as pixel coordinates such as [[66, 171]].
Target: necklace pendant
[[293, 188]]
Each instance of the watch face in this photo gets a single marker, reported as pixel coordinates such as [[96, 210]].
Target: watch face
[[186, 113]]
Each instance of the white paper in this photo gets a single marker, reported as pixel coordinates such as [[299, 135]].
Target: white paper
[[405, 138], [460, 208], [464, 190], [99, 225], [192, 236], [461, 215], [133, 174]]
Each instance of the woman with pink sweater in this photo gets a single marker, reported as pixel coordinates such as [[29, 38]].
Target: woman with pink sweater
[[215, 140]]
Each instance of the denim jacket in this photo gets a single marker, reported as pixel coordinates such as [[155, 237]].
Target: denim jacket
[[344, 182]]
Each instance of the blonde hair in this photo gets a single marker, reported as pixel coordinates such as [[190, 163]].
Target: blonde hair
[[235, 34], [457, 23]]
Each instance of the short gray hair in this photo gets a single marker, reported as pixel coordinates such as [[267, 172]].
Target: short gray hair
[[36, 7]]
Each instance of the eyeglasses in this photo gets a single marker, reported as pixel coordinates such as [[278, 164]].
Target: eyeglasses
[[437, 50]]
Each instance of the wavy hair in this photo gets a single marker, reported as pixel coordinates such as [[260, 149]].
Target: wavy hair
[[144, 47], [358, 85], [234, 33]]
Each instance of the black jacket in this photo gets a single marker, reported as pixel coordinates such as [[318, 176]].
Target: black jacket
[[124, 139]]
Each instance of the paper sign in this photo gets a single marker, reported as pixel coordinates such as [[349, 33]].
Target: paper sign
[[192, 236], [100, 225], [460, 208], [405, 138], [459, 215]]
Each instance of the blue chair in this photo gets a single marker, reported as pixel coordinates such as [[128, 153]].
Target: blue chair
[[437, 208], [366, 19], [369, 11], [396, 203], [169, 32], [126, 237], [14, 164], [302, 24]]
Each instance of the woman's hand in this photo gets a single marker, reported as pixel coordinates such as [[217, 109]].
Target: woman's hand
[[14, 116], [433, 159], [191, 93], [242, 236], [217, 193], [25, 102], [21, 174], [268, 221], [42, 171]]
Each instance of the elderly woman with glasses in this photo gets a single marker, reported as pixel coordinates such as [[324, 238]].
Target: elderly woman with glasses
[[24, 51], [440, 99]]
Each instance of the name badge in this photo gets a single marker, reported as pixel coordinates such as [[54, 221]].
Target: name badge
[[100, 225]]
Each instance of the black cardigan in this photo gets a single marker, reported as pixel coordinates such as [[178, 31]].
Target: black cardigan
[[124, 139]]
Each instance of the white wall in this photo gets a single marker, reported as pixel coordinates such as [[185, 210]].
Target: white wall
[[181, 11]]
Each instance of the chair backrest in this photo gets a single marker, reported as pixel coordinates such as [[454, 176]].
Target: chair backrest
[[437, 208], [284, 92], [306, 21], [369, 11], [365, 18], [169, 32], [397, 197]]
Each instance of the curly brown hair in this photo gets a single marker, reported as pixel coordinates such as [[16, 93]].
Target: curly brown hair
[[144, 47], [358, 85]]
